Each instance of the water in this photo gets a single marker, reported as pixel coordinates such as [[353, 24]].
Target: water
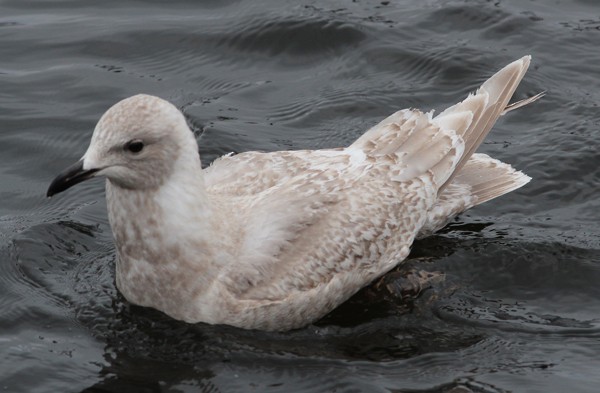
[[519, 308]]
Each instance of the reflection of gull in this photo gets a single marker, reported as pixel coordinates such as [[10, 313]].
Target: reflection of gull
[[276, 240]]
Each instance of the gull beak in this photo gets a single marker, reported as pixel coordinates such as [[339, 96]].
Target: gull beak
[[69, 177]]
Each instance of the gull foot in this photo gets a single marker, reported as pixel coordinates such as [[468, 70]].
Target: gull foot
[[406, 285]]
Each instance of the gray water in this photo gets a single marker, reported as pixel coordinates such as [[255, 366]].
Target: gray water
[[519, 309]]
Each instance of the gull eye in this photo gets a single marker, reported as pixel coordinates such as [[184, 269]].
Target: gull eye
[[134, 146]]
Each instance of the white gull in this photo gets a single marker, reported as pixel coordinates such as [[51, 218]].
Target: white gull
[[277, 240]]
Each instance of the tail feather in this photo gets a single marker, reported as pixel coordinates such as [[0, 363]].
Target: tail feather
[[481, 179], [489, 178]]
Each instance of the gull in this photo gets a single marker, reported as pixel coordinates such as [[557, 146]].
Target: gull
[[275, 241]]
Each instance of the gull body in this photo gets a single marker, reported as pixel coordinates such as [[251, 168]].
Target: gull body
[[275, 241]]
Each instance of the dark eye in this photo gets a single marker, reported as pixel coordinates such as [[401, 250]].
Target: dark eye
[[134, 146]]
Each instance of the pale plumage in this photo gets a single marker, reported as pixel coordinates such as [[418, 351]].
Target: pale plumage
[[276, 240]]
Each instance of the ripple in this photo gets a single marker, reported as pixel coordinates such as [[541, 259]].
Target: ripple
[[463, 17], [294, 37], [527, 288], [41, 273], [515, 317]]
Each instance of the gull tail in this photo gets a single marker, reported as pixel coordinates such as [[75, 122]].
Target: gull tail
[[481, 179], [488, 178], [478, 178]]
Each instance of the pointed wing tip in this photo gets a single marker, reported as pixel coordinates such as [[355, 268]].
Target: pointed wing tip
[[521, 64], [523, 61]]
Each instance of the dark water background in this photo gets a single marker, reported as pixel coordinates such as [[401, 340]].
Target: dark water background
[[519, 310]]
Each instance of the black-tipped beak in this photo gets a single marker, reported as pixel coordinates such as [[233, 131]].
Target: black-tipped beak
[[69, 177]]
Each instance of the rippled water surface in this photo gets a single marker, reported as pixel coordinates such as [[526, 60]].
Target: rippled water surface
[[519, 308]]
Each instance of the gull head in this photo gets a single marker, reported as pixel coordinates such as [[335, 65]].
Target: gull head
[[136, 145]]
